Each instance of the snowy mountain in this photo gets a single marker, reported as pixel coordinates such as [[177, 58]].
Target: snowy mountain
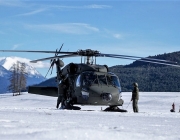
[[3, 71], [4, 75], [6, 63]]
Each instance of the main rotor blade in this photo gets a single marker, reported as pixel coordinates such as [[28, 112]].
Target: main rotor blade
[[61, 47], [31, 51], [62, 56], [146, 58], [161, 63]]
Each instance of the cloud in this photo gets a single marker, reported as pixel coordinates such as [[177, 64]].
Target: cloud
[[32, 12], [11, 3], [61, 7], [42, 7], [16, 46], [95, 6], [136, 48], [69, 28], [118, 36], [114, 34], [40, 64], [20, 3]]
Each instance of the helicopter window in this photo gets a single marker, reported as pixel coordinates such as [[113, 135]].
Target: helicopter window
[[95, 80], [109, 80], [78, 81], [89, 78], [86, 80], [113, 80], [102, 79]]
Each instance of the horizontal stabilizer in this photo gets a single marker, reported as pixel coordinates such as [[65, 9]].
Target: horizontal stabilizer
[[47, 91]]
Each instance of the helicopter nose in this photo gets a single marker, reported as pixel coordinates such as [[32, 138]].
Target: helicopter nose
[[106, 97]]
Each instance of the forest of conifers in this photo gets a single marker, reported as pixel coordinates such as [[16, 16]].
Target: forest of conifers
[[150, 77]]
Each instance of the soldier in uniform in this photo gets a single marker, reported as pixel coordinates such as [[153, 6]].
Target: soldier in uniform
[[62, 92], [135, 97]]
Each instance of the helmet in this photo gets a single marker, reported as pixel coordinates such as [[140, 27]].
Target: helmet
[[135, 84]]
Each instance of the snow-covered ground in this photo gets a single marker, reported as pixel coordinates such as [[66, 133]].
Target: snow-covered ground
[[34, 117]]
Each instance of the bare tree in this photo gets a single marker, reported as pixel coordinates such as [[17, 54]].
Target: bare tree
[[13, 87], [18, 78], [22, 77]]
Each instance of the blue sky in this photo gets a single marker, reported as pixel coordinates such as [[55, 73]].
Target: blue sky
[[140, 28]]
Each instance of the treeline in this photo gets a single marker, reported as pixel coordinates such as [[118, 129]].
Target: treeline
[[150, 77], [175, 57]]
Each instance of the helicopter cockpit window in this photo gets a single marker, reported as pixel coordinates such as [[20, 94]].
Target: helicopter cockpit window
[[113, 80], [89, 78], [102, 79], [78, 81]]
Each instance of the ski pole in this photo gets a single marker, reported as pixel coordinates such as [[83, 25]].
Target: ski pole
[[128, 104]]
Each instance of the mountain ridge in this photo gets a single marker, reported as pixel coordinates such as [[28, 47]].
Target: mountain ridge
[[173, 56], [150, 77], [6, 63]]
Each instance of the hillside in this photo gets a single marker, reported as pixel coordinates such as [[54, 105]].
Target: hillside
[[175, 57], [51, 82], [150, 77]]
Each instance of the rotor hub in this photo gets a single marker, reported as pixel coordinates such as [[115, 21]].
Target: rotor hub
[[88, 52]]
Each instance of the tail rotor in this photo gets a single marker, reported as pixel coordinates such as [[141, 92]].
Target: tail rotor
[[54, 61]]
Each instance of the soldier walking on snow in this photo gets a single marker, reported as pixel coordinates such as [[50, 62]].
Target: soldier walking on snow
[[135, 97]]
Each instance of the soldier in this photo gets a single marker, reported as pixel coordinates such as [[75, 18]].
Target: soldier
[[62, 91], [135, 97]]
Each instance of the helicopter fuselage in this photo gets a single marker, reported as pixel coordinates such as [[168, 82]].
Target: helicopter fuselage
[[93, 85], [89, 85], [98, 88]]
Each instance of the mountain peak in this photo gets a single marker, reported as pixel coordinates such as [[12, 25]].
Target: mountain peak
[[7, 63]]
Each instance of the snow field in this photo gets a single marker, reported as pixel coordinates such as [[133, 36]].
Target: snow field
[[34, 117]]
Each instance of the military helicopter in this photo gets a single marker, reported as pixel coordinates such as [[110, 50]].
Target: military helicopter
[[85, 83]]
